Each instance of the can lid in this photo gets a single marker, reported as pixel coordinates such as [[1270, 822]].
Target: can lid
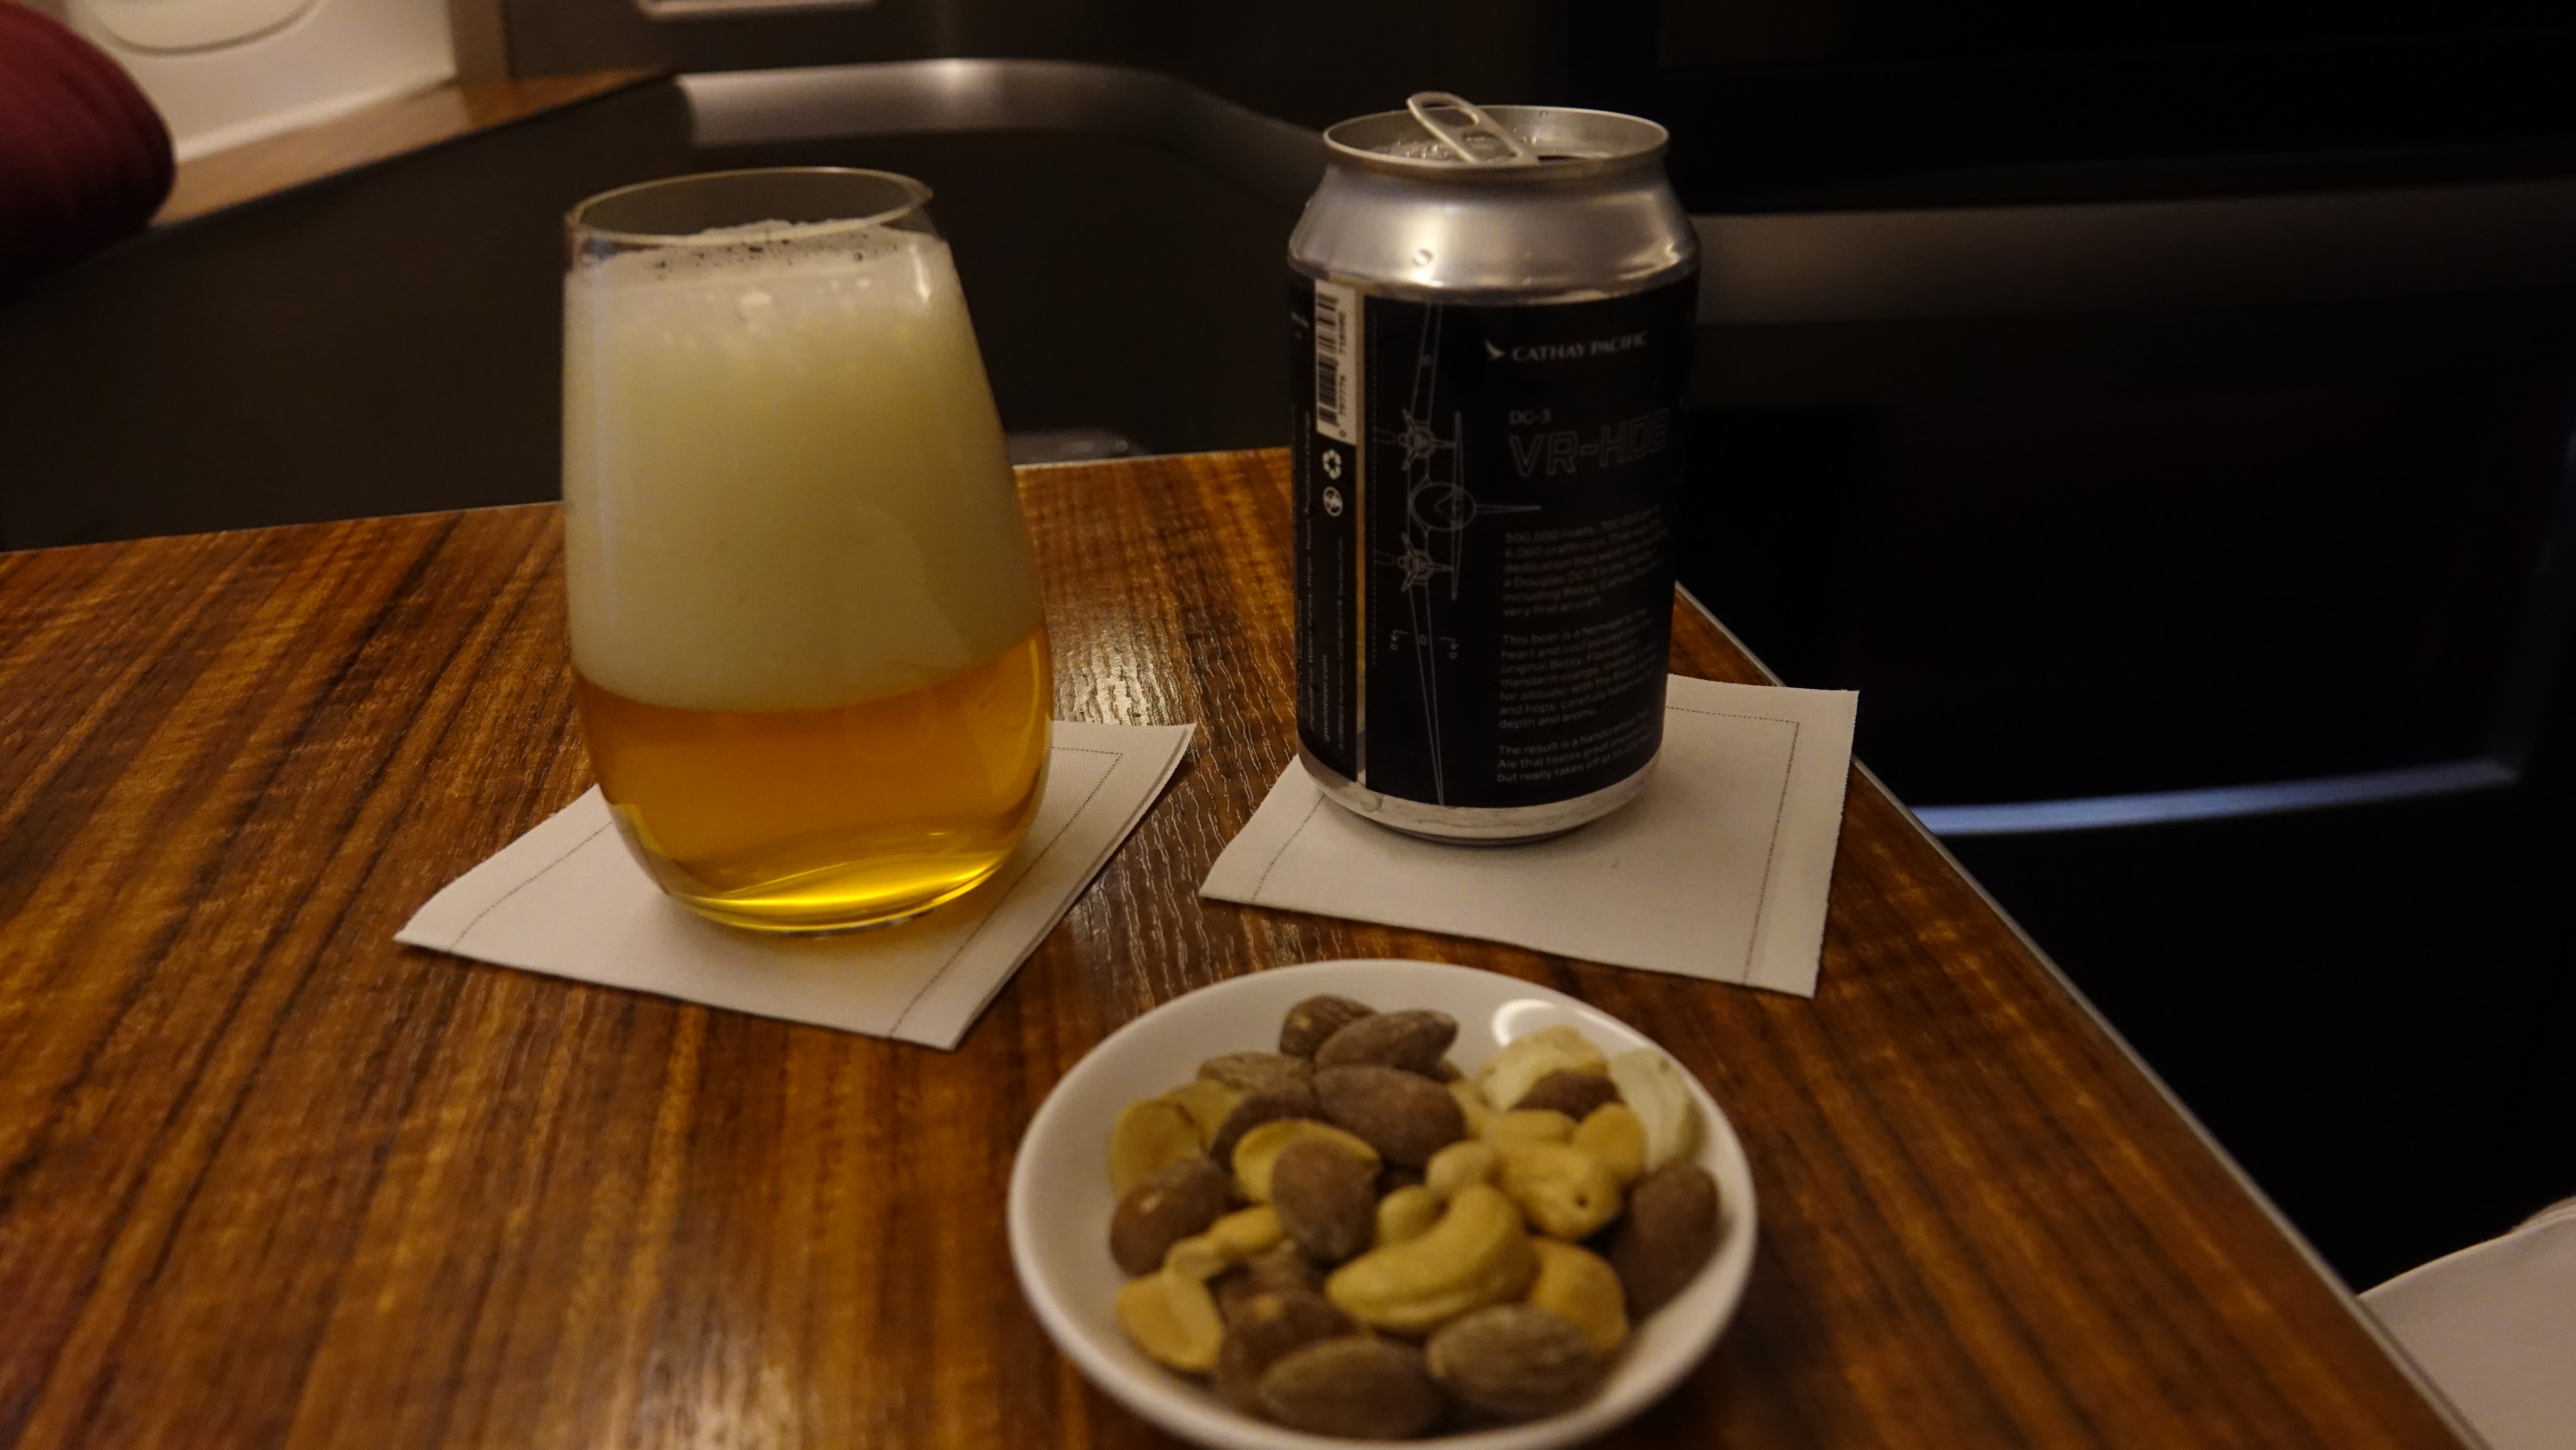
[[1427, 141], [1482, 141]]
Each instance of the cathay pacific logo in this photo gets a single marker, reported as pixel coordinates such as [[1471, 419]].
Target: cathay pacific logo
[[1566, 351]]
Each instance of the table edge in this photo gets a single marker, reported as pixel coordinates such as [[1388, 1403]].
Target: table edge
[[2414, 1374]]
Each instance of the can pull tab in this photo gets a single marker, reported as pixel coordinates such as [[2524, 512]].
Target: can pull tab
[[1480, 127]]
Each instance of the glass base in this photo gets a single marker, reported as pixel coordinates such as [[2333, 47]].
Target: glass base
[[815, 908]]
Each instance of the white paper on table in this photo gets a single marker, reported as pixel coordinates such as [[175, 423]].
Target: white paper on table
[[1719, 869], [566, 899], [2495, 1326]]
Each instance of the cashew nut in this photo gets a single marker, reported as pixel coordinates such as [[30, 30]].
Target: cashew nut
[[1564, 1190], [1406, 1214], [1173, 1318], [1530, 1125], [1227, 1242], [1206, 1101], [1456, 1166], [1613, 1134], [1472, 1105], [1581, 1285], [1477, 1254], [1660, 1096], [1514, 1070], [1146, 1136]]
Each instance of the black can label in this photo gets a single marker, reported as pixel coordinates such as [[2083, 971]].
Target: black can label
[[1484, 571]]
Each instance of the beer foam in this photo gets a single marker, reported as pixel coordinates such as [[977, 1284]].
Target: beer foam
[[756, 247], [785, 484]]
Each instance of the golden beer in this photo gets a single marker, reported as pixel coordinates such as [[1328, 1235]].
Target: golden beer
[[848, 812], [808, 648]]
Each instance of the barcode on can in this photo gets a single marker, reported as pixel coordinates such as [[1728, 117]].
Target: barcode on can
[[1337, 362]]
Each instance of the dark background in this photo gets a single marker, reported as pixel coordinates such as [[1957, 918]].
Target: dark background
[[2093, 545]]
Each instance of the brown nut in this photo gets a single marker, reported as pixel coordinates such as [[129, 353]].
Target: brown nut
[[1146, 1136], [1173, 1318], [1327, 1199], [1253, 1072], [1312, 1023], [1260, 1330], [1670, 1232], [1412, 1040], [1279, 1269], [1405, 1116], [1255, 1109], [1514, 1360], [1354, 1387], [1177, 1200], [1259, 1151], [1581, 1285], [1570, 1092]]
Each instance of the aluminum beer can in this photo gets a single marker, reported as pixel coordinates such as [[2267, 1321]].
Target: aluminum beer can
[[1488, 359]]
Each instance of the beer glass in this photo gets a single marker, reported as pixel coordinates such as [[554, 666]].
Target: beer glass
[[806, 633]]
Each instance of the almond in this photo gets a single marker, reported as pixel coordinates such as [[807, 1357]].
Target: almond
[[1572, 1093], [1175, 1201], [1255, 1109], [1412, 1040], [1253, 1072], [1261, 1330], [1258, 1151], [1278, 1269], [1312, 1023], [1517, 1361], [1670, 1231], [1326, 1198], [1357, 1388], [1406, 1117]]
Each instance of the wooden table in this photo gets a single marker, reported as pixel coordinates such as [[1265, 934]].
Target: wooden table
[[268, 1179]]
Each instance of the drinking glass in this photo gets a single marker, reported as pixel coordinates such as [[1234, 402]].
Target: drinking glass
[[806, 634]]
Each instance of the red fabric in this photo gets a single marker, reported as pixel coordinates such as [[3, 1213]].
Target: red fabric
[[84, 157]]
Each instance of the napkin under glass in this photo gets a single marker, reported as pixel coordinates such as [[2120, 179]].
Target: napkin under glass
[[568, 900]]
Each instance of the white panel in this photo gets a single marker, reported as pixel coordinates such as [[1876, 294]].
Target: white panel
[[324, 59], [192, 24]]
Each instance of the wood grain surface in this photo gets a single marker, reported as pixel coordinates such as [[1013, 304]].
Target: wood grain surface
[[268, 1179], [392, 128]]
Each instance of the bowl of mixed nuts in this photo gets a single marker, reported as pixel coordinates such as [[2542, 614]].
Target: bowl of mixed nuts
[[1381, 1200]]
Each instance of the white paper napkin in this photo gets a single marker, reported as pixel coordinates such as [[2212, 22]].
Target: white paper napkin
[[1718, 870], [568, 900], [2495, 1326]]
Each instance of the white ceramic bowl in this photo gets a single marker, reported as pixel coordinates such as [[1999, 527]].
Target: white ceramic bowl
[[1061, 1202]]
